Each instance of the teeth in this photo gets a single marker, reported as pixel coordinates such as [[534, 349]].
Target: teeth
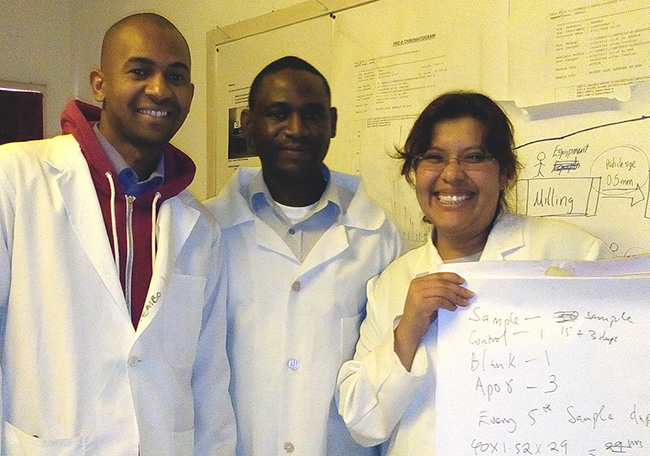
[[151, 112], [453, 199]]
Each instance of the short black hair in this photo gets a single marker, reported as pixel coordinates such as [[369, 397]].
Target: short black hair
[[284, 63], [499, 133]]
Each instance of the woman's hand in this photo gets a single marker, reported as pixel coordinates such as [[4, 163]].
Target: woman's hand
[[426, 294]]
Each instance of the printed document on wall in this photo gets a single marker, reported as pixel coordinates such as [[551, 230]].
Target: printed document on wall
[[391, 62], [574, 49]]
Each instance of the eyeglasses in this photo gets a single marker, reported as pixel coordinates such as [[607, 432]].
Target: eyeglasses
[[437, 161]]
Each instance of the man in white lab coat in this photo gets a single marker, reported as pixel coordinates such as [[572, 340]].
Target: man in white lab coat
[[112, 297], [301, 242]]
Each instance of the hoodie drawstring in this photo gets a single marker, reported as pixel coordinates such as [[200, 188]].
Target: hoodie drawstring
[[154, 232], [116, 250]]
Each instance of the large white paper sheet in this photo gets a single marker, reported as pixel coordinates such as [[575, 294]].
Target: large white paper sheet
[[548, 366]]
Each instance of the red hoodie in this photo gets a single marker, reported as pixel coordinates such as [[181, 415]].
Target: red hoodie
[[78, 119]]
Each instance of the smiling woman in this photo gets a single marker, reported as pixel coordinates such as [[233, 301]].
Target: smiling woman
[[459, 158], [461, 200]]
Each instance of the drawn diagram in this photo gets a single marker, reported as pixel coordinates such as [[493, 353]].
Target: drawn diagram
[[575, 196], [598, 178], [625, 170], [621, 172]]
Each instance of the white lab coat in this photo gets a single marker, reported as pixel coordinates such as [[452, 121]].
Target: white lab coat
[[377, 397], [77, 379], [291, 324]]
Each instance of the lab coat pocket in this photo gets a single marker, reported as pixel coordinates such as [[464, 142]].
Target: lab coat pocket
[[182, 313], [19, 442], [350, 335], [183, 443]]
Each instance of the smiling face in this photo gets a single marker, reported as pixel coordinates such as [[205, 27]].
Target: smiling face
[[290, 125], [144, 86], [460, 201]]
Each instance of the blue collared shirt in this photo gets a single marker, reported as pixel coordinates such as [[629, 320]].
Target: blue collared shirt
[[126, 175], [301, 236]]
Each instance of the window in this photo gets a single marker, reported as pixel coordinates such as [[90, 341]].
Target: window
[[21, 115]]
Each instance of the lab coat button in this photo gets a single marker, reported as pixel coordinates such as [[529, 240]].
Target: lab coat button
[[292, 364], [133, 360], [292, 231], [288, 447], [295, 286]]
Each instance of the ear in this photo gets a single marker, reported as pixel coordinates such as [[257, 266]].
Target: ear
[[97, 84], [503, 181], [333, 118]]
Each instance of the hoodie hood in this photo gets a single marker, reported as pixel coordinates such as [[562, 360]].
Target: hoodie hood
[[78, 119]]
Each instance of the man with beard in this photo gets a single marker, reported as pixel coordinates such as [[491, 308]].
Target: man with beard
[[301, 243], [111, 296]]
